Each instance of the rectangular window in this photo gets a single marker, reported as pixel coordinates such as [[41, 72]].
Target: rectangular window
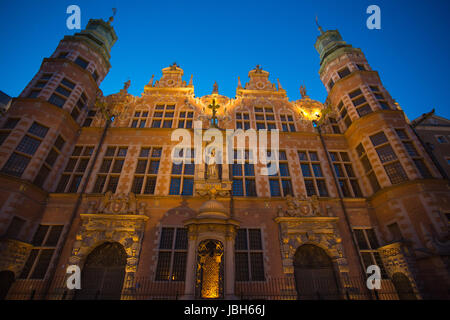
[[312, 173], [249, 255], [344, 72], [243, 175], [140, 119], [182, 175], [89, 118], [265, 118], [418, 160], [172, 255], [45, 242], [82, 62], [344, 170], [280, 182], [163, 116], [19, 159], [110, 170], [368, 245], [370, 173], [287, 123], [185, 119], [75, 169]]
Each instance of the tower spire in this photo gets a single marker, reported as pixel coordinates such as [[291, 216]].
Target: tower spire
[[318, 26], [111, 19]]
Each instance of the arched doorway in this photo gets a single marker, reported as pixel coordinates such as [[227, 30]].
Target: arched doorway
[[6, 280], [103, 273], [314, 274], [210, 270], [403, 287]]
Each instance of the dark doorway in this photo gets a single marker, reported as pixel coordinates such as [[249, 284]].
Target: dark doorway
[[6, 280], [403, 287], [103, 273], [315, 278]]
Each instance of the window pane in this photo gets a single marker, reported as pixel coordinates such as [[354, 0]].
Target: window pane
[[395, 173], [163, 267], [241, 266], [181, 239], [310, 189], [141, 166], [257, 266], [175, 186], [42, 264], [179, 266], [188, 187], [254, 236], [28, 145], [250, 188], [150, 185], [241, 240], [275, 188], [166, 240], [238, 188], [378, 139], [16, 165], [372, 238], [361, 239], [53, 236], [137, 185], [321, 185]]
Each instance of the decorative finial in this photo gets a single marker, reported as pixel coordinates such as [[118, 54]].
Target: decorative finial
[[258, 68], [151, 81], [320, 28], [126, 85], [174, 66], [279, 85], [215, 88], [303, 91], [239, 83], [111, 19], [190, 80]]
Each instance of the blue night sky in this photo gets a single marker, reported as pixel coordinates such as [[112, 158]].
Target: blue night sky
[[221, 40]]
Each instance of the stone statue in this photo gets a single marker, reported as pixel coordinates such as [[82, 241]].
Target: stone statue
[[303, 91], [215, 88], [126, 85], [212, 172], [104, 204]]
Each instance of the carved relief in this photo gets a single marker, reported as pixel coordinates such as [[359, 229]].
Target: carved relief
[[117, 204], [13, 254], [301, 207]]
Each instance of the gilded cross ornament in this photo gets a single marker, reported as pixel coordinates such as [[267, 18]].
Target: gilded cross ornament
[[213, 106]]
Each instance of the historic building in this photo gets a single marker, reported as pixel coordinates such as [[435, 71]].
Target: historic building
[[88, 180]]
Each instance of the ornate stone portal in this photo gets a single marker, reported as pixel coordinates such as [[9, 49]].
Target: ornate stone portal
[[115, 218], [303, 222], [210, 250]]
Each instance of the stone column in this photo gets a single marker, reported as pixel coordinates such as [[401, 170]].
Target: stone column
[[229, 268], [189, 284]]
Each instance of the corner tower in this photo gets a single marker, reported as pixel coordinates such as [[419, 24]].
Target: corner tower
[[41, 128], [397, 175]]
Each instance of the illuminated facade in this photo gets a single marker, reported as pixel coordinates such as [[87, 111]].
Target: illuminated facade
[[88, 180]]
